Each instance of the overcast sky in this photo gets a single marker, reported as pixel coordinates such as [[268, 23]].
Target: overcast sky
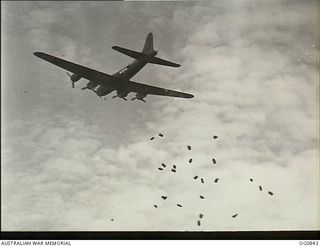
[[73, 161]]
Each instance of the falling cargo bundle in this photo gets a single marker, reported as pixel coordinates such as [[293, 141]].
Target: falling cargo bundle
[[196, 177], [161, 168], [200, 217], [174, 167]]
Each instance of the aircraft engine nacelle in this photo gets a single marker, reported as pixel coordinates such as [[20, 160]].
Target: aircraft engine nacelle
[[75, 78], [92, 85], [140, 96], [122, 93]]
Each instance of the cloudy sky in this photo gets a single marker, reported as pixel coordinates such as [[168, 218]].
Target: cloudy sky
[[73, 161]]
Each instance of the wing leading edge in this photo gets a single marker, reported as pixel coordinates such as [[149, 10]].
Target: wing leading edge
[[105, 79], [147, 89], [85, 72]]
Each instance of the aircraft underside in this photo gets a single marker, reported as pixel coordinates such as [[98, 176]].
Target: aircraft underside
[[120, 93], [103, 84]]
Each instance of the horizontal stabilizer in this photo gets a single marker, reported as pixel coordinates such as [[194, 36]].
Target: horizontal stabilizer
[[130, 53], [156, 60], [137, 55]]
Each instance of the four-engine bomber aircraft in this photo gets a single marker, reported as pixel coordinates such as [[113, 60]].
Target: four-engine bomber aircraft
[[103, 84]]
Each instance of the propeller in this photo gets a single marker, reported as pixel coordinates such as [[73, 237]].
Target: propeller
[[72, 83], [116, 96], [138, 99]]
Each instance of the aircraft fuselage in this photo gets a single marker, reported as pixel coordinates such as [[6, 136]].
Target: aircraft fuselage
[[126, 73]]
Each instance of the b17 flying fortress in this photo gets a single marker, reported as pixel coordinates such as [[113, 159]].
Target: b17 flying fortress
[[103, 84]]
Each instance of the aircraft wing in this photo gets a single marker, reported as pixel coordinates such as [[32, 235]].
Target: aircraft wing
[[85, 72], [105, 79], [147, 89]]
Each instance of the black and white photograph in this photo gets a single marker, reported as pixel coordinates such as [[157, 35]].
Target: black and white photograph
[[198, 116]]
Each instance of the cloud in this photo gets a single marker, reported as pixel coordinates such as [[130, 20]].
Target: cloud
[[254, 87], [248, 89]]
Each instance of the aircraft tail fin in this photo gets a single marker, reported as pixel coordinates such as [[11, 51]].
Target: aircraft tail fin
[[147, 49], [148, 45]]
